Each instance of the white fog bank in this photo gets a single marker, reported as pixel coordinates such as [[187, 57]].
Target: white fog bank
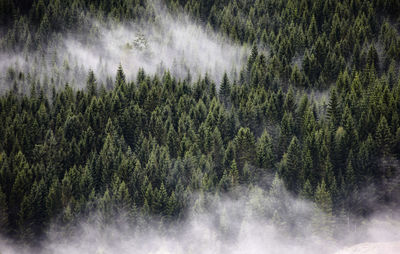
[[170, 42], [180, 46], [250, 221]]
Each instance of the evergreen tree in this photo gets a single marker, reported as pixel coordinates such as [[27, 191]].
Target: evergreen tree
[[291, 167], [252, 59], [383, 137], [244, 147], [53, 200], [333, 109], [307, 191], [322, 218], [265, 155], [91, 84], [225, 89], [3, 213], [122, 201], [120, 79], [135, 149]]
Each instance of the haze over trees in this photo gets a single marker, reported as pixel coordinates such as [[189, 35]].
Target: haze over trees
[[316, 104]]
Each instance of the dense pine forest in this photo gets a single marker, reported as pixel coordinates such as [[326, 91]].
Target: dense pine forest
[[315, 108]]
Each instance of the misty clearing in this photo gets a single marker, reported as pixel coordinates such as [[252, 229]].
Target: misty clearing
[[244, 126]]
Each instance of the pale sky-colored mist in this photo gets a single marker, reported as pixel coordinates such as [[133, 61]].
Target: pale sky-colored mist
[[172, 42], [249, 221], [180, 46]]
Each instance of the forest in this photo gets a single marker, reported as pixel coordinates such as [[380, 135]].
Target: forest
[[313, 109]]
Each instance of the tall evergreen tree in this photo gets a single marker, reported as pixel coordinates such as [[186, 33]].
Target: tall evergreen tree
[[225, 89], [322, 218]]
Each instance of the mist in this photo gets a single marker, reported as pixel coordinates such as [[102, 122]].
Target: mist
[[170, 42], [246, 220], [262, 218]]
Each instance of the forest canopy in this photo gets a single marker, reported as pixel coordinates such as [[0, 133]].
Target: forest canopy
[[316, 104]]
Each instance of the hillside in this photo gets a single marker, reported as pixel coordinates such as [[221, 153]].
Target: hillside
[[141, 115]]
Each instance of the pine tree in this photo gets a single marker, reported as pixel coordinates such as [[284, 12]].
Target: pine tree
[[217, 151], [225, 182], [287, 130], [3, 213], [91, 84], [172, 142], [225, 90], [308, 173], [244, 147], [106, 208], [234, 174], [39, 214], [333, 112], [277, 201], [53, 200], [265, 155], [229, 155], [383, 137], [172, 205], [323, 218], [292, 166], [160, 200], [307, 191], [120, 78], [290, 103], [122, 201], [350, 178], [252, 59]]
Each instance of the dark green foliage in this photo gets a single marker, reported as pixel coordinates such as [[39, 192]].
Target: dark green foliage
[[291, 167], [225, 89], [112, 162], [3, 212], [136, 148], [244, 146]]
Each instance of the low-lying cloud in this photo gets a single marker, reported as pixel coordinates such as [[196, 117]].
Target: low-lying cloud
[[170, 42], [248, 220]]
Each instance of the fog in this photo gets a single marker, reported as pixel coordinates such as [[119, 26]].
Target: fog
[[245, 220], [169, 42]]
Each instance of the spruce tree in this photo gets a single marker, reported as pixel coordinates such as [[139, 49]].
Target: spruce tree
[[323, 218]]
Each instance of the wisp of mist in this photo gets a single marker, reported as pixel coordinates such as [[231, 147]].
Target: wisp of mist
[[251, 220], [246, 220], [173, 43], [170, 44]]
